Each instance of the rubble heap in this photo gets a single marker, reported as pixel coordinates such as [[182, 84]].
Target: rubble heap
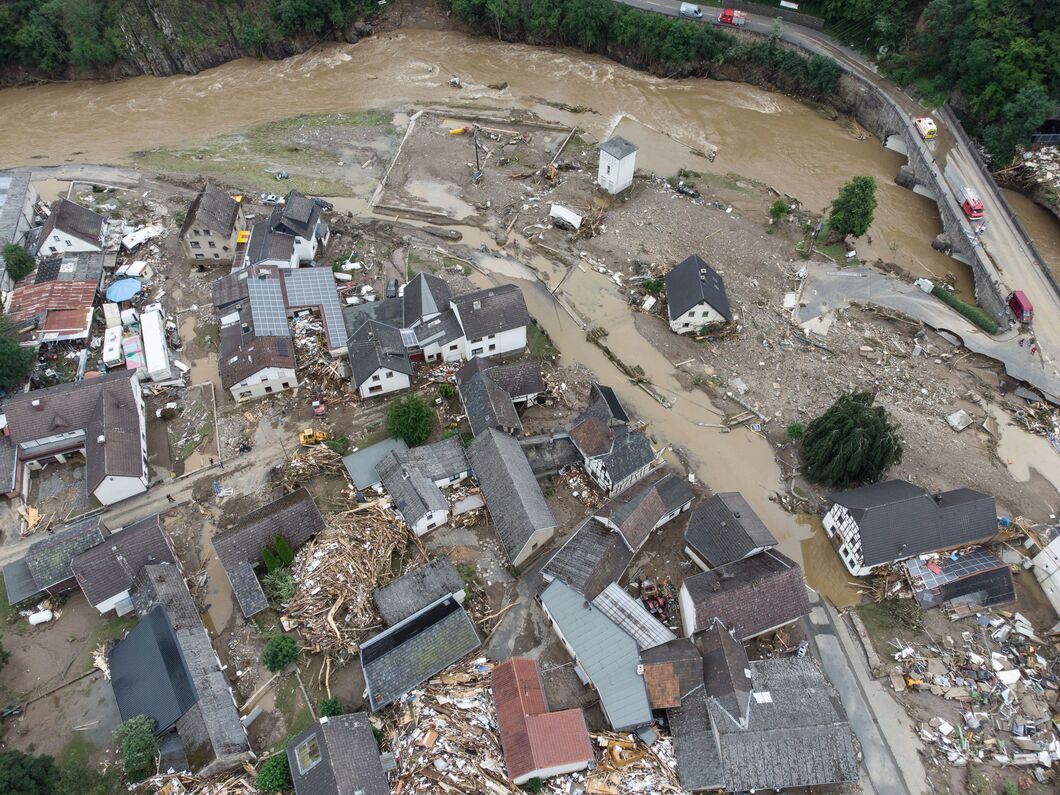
[[319, 377], [241, 783], [444, 736], [307, 463]]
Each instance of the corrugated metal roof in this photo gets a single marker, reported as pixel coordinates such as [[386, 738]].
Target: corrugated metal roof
[[632, 618]]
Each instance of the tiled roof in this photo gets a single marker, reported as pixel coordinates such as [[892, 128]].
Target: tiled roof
[[416, 589], [439, 460], [637, 510], [487, 389], [898, 520], [591, 559], [73, 266], [754, 595], [725, 670], [491, 311], [605, 405], [592, 436], [671, 671], [632, 617], [411, 652], [608, 656], [242, 354], [725, 529], [513, 497], [414, 494], [49, 558], [535, 740], [110, 568], [74, 220], [630, 451], [692, 282], [349, 758], [374, 345], [212, 209], [424, 296]]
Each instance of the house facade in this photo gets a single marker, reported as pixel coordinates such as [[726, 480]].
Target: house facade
[[71, 228], [18, 198], [212, 226], [378, 360], [618, 162]]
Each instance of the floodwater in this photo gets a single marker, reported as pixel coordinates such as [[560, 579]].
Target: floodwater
[[219, 596], [1041, 225], [757, 134], [1021, 451]]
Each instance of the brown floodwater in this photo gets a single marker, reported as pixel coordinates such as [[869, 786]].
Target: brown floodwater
[[757, 134], [1041, 225]]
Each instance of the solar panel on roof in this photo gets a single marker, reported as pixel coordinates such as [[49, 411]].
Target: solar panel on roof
[[267, 308], [316, 287], [282, 348]]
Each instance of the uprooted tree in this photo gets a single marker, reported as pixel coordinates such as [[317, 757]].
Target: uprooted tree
[[852, 442], [853, 208]]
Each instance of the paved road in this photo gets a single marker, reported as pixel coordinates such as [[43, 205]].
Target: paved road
[[1015, 266]]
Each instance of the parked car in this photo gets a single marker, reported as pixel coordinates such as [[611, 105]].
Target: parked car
[[323, 204], [271, 198], [392, 288], [1021, 307]]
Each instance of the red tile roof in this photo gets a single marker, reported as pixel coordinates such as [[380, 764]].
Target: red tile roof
[[535, 740], [592, 436]]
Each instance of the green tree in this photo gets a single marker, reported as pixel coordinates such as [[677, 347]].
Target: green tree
[[411, 419], [26, 774], [18, 261], [1027, 111], [796, 430], [823, 73], [778, 209], [284, 551], [272, 563], [279, 586], [78, 776], [15, 361], [534, 785], [330, 707], [279, 652], [853, 208], [852, 442], [274, 774], [5, 656], [137, 747], [446, 391], [250, 35]]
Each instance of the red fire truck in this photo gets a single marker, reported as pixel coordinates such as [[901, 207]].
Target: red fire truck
[[971, 203], [730, 16]]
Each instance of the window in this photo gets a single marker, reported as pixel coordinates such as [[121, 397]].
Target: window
[[376, 388], [199, 256], [224, 248], [454, 346], [375, 377], [196, 244], [268, 389], [53, 249], [217, 256], [55, 237], [608, 168], [492, 348], [211, 244], [389, 373], [207, 232], [307, 753], [245, 394], [286, 385], [69, 243], [476, 351]]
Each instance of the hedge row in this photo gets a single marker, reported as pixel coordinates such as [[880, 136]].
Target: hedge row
[[970, 311]]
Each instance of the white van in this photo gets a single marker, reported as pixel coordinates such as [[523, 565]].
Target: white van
[[690, 10]]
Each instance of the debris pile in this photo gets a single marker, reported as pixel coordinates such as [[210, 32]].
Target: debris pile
[[334, 575], [241, 783], [1041, 419], [1003, 680], [307, 463], [581, 487], [319, 377], [444, 736]]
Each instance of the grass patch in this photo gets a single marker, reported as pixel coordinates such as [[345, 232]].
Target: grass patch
[[356, 118], [449, 262], [970, 311], [538, 343]]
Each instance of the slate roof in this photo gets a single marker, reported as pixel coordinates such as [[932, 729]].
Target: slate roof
[[361, 465], [637, 510], [725, 529], [754, 595], [231, 289], [898, 520], [592, 436], [591, 559], [414, 494], [692, 282], [49, 558], [241, 354], [149, 673], [608, 656], [725, 671], [632, 617], [672, 670], [618, 147], [439, 330], [73, 266], [102, 406], [298, 215], [513, 497], [534, 739], [19, 582], [266, 244], [74, 220], [376, 345], [294, 516], [14, 185], [605, 405], [425, 295], [487, 389], [349, 758], [698, 754], [439, 460], [501, 308], [212, 209], [8, 464], [411, 652], [416, 589], [630, 451], [388, 311], [111, 567]]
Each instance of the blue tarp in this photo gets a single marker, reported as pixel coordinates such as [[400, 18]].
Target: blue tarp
[[123, 290]]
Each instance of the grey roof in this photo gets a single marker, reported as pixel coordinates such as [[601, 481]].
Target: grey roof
[[74, 220], [388, 311], [976, 577], [246, 587], [231, 289], [591, 559], [414, 494], [637, 510], [725, 529], [513, 497], [298, 215], [19, 582], [49, 558], [424, 296], [632, 617], [755, 594], [898, 520], [411, 652], [491, 311], [441, 460], [349, 758], [672, 670], [74, 266], [315, 288], [699, 763], [361, 465], [110, 568], [618, 147], [212, 209], [374, 345], [149, 673], [630, 451], [725, 670], [416, 589], [487, 389], [605, 405], [14, 185], [608, 656], [439, 330], [8, 464], [242, 353], [692, 282]]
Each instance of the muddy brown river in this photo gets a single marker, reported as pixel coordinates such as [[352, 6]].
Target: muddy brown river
[[756, 134]]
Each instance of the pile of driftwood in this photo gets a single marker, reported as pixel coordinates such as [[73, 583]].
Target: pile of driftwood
[[307, 463], [231, 783], [318, 374], [334, 575]]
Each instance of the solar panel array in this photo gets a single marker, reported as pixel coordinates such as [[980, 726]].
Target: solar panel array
[[267, 308], [965, 566], [316, 287]]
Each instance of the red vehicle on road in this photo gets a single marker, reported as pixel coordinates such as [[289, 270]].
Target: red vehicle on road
[[730, 16], [971, 204], [1020, 306]]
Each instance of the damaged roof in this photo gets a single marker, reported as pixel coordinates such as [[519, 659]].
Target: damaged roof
[[633, 618], [212, 209], [725, 529], [487, 390], [672, 670], [112, 567], [637, 510], [414, 494], [441, 460], [591, 559], [693, 282], [74, 220], [362, 465], [347, 760], [416, 589], [49, 558]]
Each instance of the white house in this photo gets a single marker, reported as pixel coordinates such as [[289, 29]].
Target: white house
[[695, 296], [251, 366], [493, 320], [378, 360], [618, 161], [420, 502], [71, 228], [266, 247], [1047, 570]]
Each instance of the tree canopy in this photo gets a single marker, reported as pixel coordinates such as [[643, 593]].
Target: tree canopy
[[852, 442], [274, 774], [18, 261], [137, 746], [853, 208], [15, 360], [411, 419], [279, 652], [27, 774]]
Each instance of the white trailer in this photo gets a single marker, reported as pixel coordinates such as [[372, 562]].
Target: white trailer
[[112, 350], [156, 351], [112, 314]]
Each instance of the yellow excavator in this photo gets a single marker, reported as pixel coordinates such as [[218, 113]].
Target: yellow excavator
[[310, 437]]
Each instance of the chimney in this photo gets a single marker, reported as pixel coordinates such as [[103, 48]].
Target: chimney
[[35, 403], [476, 305], [101, 439]]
